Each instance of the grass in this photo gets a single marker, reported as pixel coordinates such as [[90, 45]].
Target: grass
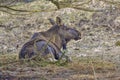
[[8, 58], [80, 68], [88, 64], [83, 76], [81, 62]]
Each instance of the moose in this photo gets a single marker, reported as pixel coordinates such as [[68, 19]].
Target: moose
[[50, 41]]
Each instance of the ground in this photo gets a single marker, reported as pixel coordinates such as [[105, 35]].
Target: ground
[[84, 68], [95, 57]]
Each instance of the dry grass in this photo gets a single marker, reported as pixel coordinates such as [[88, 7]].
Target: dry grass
[[79, 69], [8, 58], [77, 64], [87, 66], [82, 76]]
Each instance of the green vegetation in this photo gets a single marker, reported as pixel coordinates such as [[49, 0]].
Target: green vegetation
[[117, 43]]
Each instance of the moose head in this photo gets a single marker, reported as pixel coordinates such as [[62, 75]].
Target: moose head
[[64, 31]]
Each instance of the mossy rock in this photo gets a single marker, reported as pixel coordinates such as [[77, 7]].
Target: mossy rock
[[117, 43]]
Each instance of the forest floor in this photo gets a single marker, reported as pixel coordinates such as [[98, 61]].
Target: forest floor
[[84, 68], [95, 57]]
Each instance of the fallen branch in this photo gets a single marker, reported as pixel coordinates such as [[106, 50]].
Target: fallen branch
[[89, 10], [80, 4], [18, 10]]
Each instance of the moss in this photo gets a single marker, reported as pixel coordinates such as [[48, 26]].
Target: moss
[[117, 43]]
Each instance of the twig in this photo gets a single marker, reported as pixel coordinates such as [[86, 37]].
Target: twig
[[76, 3], [88, 10], [93, 70]]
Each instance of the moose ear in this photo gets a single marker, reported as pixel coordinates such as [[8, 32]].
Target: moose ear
[[58, 21], [51, 21]]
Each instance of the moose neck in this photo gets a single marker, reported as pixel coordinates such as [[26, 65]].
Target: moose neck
[[54, 36]]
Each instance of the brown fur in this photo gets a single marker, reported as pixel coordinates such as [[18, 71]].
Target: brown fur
[[55, 37]]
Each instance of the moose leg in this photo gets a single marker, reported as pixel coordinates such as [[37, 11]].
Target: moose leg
[[64, 44], [53, 54], [41, 47], [46, 50], [62, 54]]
